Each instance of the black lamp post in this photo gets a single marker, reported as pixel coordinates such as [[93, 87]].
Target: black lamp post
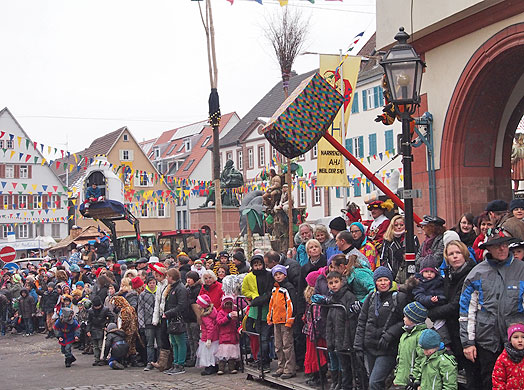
[[403, 68]]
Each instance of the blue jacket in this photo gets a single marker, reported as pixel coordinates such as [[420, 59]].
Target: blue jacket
[[67, 332], [93, 193], [491, 300], [302, 256]]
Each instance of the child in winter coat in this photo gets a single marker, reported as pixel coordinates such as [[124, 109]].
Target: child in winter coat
[[508, 373], [98, 317], [47, 304], [67, 330], [228, 340], [193, 285], [439, 368], [340, 328], [27, 310], [410, 354], [281, 315], [208, 344], [116, 345], [430, 293]]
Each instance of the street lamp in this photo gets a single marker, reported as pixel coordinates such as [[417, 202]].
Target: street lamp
[[403, 68]]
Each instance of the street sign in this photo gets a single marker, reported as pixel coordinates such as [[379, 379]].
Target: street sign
[[411, 194], [7, 254]]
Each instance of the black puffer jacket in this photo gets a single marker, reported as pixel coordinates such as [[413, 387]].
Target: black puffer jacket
[[192, 294], [293, 269], [177, 303], [428, 288], [48, 301], [97, 320], [385, 328], [26, 306], [341, 324], [453, 282], [116, 343]]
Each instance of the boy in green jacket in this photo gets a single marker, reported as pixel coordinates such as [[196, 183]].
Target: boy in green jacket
[[410, 354], [439, 368]]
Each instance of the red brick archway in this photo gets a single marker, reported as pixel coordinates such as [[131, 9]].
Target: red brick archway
[[468, 177]]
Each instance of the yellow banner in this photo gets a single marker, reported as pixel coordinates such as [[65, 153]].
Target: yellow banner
[[331, 165]]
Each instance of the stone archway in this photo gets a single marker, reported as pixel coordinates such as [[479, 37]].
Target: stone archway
[[485, 108]]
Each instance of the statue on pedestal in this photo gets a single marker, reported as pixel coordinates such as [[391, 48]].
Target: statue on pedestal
[[229, 178]]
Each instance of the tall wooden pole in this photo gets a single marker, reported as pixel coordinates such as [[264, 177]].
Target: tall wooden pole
[[214, 113], [291, 235]]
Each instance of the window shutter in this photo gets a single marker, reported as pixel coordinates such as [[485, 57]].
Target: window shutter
[[30, 230], [121, 153], [381, 96], [2, 171], [17, 171], [29, 202], [337, 192], [354, 106], [364, 100], [356, 187], [372, 144], [130, 153], [376, 97], [9, 202], [15, 202], [30, 171], [361, 146], [349, 145], [44, 202]]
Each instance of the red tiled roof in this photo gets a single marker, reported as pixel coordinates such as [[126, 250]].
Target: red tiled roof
[[165, 137]]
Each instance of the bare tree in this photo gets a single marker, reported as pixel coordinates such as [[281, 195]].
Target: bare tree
[[287, 31]]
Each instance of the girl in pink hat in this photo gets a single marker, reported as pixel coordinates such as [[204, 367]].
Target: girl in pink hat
[[208, 344]]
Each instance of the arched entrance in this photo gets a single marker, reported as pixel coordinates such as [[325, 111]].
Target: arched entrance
[[480, 123]]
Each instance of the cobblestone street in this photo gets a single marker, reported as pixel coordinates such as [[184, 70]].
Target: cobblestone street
[[36, 363]]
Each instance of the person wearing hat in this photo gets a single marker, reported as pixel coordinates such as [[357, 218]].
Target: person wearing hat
[[256, 287], [223, 259], [142, 264], [102, 245], [184, 266], [502, 219], [159, 272], [491, 300], [67, 331], [239, 259], [439, 368], [509, 368], [75, 257], [380, 327], [98, 317], [517, 249], [364, 245], [410, 355], [516, 206], [380, 223], [48, 301], [433, 244], [281, 315]]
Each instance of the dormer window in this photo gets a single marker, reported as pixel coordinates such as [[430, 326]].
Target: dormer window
[[187, 144]]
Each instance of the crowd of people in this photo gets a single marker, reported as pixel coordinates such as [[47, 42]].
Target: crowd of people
[[344, 287]]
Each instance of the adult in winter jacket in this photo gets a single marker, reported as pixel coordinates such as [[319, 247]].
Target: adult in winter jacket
[[145, 310], [116, 344], [464, 228], [433, 244], [496, 285], [212, 287], [159, 272], [459, 265], [380, 327], [503, 219], [364, 244]]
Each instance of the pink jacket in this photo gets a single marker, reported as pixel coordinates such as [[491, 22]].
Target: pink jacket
[[227, 328], [208, 326]]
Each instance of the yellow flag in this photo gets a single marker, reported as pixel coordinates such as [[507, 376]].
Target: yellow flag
[[150, 249], [331, 165]]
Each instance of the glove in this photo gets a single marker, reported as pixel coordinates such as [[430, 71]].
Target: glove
[[355, 307], [382, 344], [320, 299], [208, 343], [413, 384]]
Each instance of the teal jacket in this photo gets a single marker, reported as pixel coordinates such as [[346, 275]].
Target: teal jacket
[[439, 372], [410, 356], [361, 283]]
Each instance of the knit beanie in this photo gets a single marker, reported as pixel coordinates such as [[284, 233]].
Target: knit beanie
[[360, 226], [111, 326], [17, 278], [239, 256], [516, 204], [338, 224], [203, 301], [429, 339], [278, 268], [193, 275], [256, 258], [79, 284], [515, 328], [450, 235], [416, 312], [97, 301], [137, 282], [311, 278], [382, 272]]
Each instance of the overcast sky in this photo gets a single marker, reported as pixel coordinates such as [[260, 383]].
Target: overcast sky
[[143, 64]]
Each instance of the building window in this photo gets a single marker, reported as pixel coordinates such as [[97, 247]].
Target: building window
[[10, 144], [372, 98], [6, 202], [261, 156], [372, 144], [23, 231], [6, 229], [22, 202], [144, 210], [188, 166], [37, 202], [55, 230], [317, 196], [161, 210], [39, 229], [250, 159], [9, 171], [240, 164], [187, 144], [301, 195], [302, 157], [314, 151], [358, 146], [125, 137], [24, 172], [182, 219], [354, 106], [229, 156], [126, 155], [157, 152], [388, 138], [55, 201], [274, 154], [356, 188], [206, 141], [1, 143], [144, 180]]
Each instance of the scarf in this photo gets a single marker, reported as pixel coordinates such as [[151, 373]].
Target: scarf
[[399, 234], [428, 242], [467, 238], [514, 354]]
